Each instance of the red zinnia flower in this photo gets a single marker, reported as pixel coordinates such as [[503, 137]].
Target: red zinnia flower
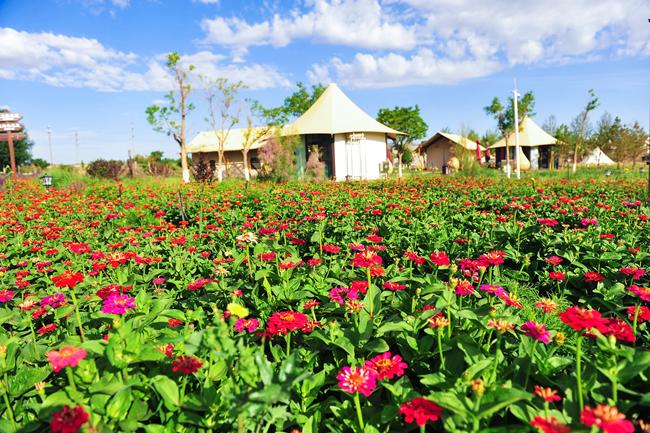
[[644, 314], [420, 410], [494, 258], [68, 279], [554, 260], [549, 425], [633, 271], [619, 329], [391, 285], [464, 288], [186, 364], [283, 322], [6, 295], [68, 420], [387, 366], [440, 258], [606, 418], [593, 277], [556, 276], [579, 318], [641, 292], [332, 249]]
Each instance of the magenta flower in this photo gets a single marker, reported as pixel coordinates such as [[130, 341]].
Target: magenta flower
[[158, 281], [341, 294], [54, 301], [537, 331], [118, 304], [357, 379], [6, 295], [249, 325]]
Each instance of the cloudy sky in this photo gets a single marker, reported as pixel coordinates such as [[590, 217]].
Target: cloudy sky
[[93, 66]]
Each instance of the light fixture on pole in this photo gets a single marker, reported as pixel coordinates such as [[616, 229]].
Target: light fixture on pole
[[46, 180], [515, 101]]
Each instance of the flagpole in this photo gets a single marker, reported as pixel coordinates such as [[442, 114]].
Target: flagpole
[[515, 99]]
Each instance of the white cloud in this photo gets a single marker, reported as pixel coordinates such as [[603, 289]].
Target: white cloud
[[358, 23], [66, 61], [394, 70], [206, 2], [460, 39]]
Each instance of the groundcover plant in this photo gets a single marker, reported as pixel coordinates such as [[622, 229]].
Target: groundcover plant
[[439, 304]]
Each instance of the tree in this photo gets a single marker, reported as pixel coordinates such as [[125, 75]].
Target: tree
[[581, 124], [224, 109], [293, 106], [505, 117], [251, 136], [406, 120], [40, 163], [22, 152], [165, 118], [637, 138]]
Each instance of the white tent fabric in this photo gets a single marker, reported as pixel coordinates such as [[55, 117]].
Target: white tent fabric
[[334, 113], [458, 139], [206, 141], [597, 157], [530, 135]]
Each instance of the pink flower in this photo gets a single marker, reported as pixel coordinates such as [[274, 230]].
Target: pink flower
[[341, 294], [66, 356], [158, 281], [118, 304], [537, 331], [6, 295], [249, 325], [633, 272], [439, 258], [387, 366], [357, 379], [593, 277]]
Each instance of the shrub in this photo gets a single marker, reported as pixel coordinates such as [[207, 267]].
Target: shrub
[[202, 171], [105, 169]]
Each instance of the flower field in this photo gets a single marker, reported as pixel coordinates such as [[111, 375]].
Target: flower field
[[438, 305]]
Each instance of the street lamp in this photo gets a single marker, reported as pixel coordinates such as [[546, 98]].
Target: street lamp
[[46, 180]]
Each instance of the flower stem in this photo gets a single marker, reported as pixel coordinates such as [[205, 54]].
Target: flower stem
[[422, 428], [530, 364], [357, 404], [636, 319], [76, 311], [442, 357], [288, 340], [68, 370], [5, 396], [579, 371]]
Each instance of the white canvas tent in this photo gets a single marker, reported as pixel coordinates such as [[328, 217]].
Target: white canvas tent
[[532, 139], [597, 157], [351, 143], [440, 147]]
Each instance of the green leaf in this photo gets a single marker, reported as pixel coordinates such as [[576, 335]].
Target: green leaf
[[119, 405], [378, 345], [168, 390], [496, 400], [25, 380]]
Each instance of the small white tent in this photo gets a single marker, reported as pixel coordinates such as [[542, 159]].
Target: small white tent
[[351, 143], [597, 157]]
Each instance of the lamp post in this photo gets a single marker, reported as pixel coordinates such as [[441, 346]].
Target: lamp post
[[515, 100], [49, 141], [46, 181]]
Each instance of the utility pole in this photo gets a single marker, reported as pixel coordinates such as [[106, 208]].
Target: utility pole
[[515, 100], [49, 141], [76, 145]]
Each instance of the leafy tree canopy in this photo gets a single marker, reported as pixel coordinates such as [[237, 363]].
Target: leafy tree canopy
[[21, 151], [406, 120], [505, 115], [293, 106]]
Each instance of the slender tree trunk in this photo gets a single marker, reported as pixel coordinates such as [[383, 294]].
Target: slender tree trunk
[[508, 170], [247, 174], [185, 168], [575, 158], [220, 166], [399, 165]]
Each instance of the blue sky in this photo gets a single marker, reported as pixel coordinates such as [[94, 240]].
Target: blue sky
[[93, 66]]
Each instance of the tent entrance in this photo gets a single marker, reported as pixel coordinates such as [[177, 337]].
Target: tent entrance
[[325, 145]]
